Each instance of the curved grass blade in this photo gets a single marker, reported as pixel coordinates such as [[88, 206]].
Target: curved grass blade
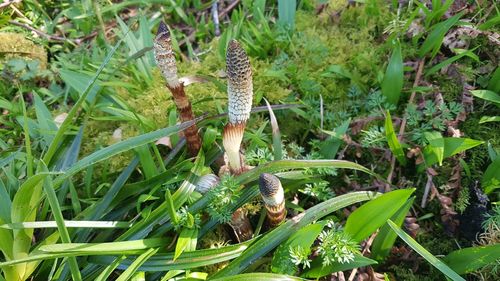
[[272, 239], [53, 251], [188, 260], [259, 276], [281, 165], [278, 153], [67, 224], [120, 147], [132, 269], [441, 266]]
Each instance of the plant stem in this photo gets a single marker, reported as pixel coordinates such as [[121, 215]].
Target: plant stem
[[183, 105]]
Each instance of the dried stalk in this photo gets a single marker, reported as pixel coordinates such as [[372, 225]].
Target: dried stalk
[[165, 59]]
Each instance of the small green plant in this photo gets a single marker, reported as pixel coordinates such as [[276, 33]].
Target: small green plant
[[336, 245]]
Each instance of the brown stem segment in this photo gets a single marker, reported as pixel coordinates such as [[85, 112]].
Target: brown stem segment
[[165, 59], [183, 105]]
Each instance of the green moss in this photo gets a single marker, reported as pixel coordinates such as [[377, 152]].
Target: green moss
[[317, 44], [14, 45]]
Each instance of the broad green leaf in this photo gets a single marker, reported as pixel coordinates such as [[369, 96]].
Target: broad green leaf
[[275, 237], [491, 177], [5, 203], [486, 119], [471, 259], [441, 266], [370, 216], [186, 237], [386, 237], [24, 209], [436, 143], [259, 276], [487, 95], [393, 78], [303, 238], [317, 269], [494, 83], [393, 141], [452, 146], [433, 42]]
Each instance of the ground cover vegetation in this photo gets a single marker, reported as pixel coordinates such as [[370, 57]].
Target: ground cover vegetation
[[249, 140]]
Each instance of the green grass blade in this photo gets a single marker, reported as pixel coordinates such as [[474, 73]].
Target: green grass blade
[[52, 251], [109, 269], [54, 145], [27, 140], [433, 42], [392, 140], [67, 224], [259, 276], [275, 237], [486, 119], [278, 153], [441, 266], [58, 216], [132, 269], [449, 61], [281, 165], [286, 12], [188, 260], [487, 95], [120, 147]]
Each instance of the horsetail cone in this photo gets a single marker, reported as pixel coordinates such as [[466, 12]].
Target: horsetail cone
[[165, 59], [274, 198], [240, 92], [164, 56], [240, 87]]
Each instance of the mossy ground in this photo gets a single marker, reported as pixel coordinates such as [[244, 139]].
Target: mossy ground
[[17, 45]]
